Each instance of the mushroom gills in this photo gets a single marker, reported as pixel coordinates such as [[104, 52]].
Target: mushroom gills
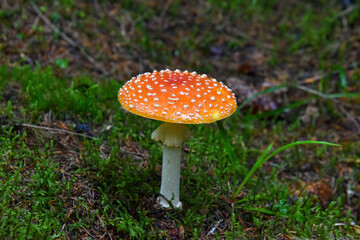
[[171, 134]]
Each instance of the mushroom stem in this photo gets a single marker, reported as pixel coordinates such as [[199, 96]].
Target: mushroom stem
[[170, 177], [172, 136]]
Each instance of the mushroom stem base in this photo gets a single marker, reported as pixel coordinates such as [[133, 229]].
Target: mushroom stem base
[[170, 177]]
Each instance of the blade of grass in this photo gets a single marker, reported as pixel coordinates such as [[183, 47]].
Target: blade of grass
[[264, 157], [324, 95], [342, 76], [343, 95], [257, 165], [299, 143], [227, 143]]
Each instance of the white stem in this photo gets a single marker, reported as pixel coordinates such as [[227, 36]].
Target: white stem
[[170, 177]]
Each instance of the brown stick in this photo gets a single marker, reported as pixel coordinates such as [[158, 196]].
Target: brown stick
[[55, 129]]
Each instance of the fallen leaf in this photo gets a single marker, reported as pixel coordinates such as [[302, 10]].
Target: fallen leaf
[[62, 125], [319, 189]]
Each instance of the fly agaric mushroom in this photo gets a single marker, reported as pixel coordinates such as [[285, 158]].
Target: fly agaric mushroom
[[176, 98]]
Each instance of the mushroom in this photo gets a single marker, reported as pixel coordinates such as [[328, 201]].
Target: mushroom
[[176, 98]]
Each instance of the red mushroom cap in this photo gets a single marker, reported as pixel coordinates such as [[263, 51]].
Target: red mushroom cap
[[177, 97]]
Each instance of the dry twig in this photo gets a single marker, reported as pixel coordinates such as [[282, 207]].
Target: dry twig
[[122, 149], [55, 129]]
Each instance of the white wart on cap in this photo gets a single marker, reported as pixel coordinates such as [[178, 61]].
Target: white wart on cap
[[177, 97]]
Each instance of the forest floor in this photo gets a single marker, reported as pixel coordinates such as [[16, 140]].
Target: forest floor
[[75, 165]]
